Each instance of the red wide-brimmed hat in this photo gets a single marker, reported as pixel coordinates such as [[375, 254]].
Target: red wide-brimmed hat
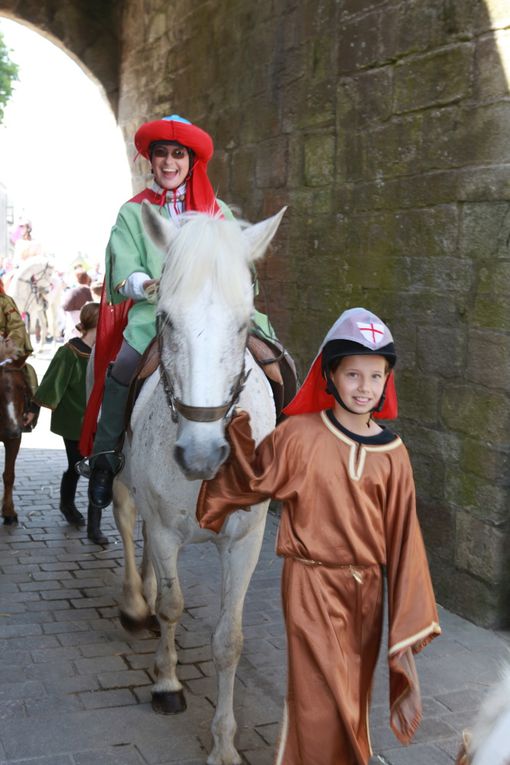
[[174, 128], [357, 331], [199, 192]]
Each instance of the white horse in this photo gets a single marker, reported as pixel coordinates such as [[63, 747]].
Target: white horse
[[178, 439], [36, 291], [488, 741]]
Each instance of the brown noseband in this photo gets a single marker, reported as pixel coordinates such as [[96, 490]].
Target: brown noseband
[[198, 413]]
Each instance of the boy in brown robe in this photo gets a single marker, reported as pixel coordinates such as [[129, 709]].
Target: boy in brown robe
[[348, 510]]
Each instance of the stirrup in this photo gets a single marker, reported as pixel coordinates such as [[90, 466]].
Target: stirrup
[[84, 468]]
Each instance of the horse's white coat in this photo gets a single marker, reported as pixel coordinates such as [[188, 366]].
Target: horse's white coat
[[30, 297], [12, 420], [206, 300], [490, 736]]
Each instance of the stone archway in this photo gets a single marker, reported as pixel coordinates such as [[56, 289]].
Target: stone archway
[[88, 30]]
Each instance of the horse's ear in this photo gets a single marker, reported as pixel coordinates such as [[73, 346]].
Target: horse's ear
[[260, 234], [161, 230]]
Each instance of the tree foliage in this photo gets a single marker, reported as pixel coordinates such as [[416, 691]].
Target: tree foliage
[[8, 73]]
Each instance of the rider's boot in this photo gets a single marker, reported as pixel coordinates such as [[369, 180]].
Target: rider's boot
[[110, 428], [67, 506], [94, 532]]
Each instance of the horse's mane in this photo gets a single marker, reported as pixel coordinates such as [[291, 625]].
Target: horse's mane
[[207, 249]]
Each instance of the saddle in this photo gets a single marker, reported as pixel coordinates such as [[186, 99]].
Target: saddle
[[276, 363]]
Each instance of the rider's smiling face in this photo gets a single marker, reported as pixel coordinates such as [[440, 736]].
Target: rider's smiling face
[[170, 165]]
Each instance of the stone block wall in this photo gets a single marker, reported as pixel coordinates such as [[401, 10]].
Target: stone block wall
[[385, 126]]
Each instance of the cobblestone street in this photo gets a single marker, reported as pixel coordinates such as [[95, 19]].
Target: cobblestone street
[[75, 687]]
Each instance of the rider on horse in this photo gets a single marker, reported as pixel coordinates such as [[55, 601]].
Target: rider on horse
[[15, 338], [179, 153]]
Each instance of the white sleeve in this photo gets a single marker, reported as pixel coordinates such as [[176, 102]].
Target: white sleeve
[[133, 286]]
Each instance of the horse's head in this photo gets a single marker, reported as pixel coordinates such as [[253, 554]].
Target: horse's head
[[13, 400], [204, 312]]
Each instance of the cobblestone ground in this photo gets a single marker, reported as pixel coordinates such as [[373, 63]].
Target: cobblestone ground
[[75, 687]]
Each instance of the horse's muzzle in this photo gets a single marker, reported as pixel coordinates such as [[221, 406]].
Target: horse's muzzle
[[199, 463]]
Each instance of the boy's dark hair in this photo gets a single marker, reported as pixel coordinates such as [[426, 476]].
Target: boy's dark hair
[[336, 350]]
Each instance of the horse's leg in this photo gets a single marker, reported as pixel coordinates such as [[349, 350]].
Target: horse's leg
[[11, 452], [150, 585], [167, 694], [239, 555], [134, 611]]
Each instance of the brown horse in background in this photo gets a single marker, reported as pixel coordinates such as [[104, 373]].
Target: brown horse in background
[[14, 399]]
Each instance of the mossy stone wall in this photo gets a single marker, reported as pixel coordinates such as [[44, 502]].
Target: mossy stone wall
[[385, 126]]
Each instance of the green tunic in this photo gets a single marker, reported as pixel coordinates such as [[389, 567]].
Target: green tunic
[[63, 390], [130, 250]]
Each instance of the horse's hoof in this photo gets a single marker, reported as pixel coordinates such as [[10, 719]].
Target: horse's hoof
[[168, 702], [131, 624], [10, 520]]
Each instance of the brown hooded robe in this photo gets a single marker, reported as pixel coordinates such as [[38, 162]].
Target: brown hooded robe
[[348, 509]]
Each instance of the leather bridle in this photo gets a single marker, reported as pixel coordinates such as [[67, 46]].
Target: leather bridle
[[197, 413]]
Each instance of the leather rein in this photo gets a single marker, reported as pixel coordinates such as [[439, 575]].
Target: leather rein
[[197, 413]]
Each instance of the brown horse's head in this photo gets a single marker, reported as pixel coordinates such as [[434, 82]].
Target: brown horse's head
[[13, 401]]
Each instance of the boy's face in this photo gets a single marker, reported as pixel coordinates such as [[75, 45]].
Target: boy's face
[[360, 381]]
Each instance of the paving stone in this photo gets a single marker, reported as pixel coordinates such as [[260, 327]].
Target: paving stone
[[77, 699], [54, 628], [63, 759], [417, 755], [124, 679], [42, 655], [109, 648], [19, 630], [12, 708], [100, 699], [105, 663], [121, 755]]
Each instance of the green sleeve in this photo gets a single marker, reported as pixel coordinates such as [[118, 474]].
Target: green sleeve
[[130, 249], [225, 209], [123, 255], [54, 383]]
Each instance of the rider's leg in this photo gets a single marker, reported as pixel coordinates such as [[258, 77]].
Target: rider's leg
[[94, 532], [111, 426], [69, 483]]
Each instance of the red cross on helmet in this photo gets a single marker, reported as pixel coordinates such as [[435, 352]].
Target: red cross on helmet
[[357, 332]]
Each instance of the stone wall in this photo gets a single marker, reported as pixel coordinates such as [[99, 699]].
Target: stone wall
[[385, 126]]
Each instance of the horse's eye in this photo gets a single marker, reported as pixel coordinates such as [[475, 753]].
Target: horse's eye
[[164, 321], [242, 328]]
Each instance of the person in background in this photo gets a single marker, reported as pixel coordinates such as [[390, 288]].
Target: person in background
[[16, 343], [73, 300], [63, 390]]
